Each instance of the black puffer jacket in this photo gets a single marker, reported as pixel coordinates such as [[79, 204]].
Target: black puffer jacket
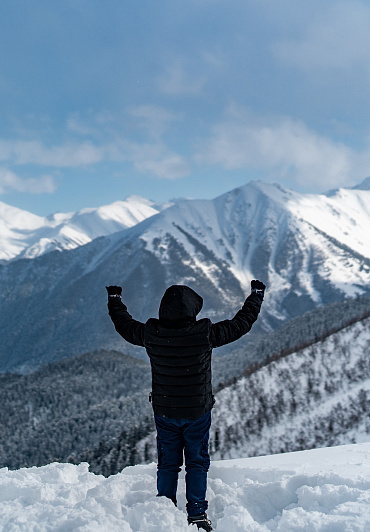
[[180, 348]]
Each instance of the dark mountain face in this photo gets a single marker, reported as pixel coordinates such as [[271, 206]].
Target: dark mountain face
[[54, 305]]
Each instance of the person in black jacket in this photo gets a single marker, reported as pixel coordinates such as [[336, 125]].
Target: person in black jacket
[[179, 348]]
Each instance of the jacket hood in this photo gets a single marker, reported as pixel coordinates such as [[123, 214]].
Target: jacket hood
[[180, 303]]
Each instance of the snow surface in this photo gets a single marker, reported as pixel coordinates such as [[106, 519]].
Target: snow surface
[[318, 490]]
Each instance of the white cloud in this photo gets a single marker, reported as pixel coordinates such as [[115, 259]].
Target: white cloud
[[282, 148], [156, 159], [11, 181], [150, 155], [76, 125], [154, 120], [336, 38], [171, 166], [70, 154], [177, 81]]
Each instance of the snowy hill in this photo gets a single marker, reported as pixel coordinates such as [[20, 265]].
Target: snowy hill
[[309, 249], [322, 489], [23, 234], [318, 396]]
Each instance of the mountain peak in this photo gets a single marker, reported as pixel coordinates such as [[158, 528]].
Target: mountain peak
[[18, 217], [364, 185]]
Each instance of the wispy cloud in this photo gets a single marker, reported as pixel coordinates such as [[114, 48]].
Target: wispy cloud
[[79, 127], [336, 38], [70, 154], [100, 139], [168, 166], [282, 148], [153, 120], [155, 159], [178, 80], [11, 181]]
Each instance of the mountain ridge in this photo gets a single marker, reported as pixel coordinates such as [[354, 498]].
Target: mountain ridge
[[308, 250], [23, 234], [126, 213]]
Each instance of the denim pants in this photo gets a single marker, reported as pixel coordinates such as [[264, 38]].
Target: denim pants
[[189, 437]]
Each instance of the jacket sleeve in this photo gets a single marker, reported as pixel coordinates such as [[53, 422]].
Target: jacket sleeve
[[224, 332], [131, 330]]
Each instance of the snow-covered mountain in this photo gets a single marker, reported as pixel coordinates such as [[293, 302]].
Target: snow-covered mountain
[[316, 491], [319, 396], [306, 247], [309, 249], [23, 234]]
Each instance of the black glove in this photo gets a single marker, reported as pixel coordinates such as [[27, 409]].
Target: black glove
[[114, 291], [258, 288]]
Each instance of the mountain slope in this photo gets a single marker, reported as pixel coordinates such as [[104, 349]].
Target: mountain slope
[[69, 406], [303, 331], [310, 249], [319, 396], [316, 397], [23, 234], [55, 305]]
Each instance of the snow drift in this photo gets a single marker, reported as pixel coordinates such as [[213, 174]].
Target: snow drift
[[318, 490]]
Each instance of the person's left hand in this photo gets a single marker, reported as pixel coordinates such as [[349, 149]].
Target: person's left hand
[[114, 291], [258, 288]]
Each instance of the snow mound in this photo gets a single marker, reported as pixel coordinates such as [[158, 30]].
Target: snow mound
[[318, 490]]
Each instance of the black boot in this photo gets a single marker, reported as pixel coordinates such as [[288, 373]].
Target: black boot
[[201, 521]]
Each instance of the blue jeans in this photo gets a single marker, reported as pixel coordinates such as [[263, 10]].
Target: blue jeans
[[176, 437]]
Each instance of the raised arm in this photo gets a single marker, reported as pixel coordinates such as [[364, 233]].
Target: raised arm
[[226, 331], [131, 330]]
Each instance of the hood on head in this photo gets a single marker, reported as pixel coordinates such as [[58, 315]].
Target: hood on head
[[180, 303]]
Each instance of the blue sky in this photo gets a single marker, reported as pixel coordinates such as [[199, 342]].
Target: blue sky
[[180, 98]]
